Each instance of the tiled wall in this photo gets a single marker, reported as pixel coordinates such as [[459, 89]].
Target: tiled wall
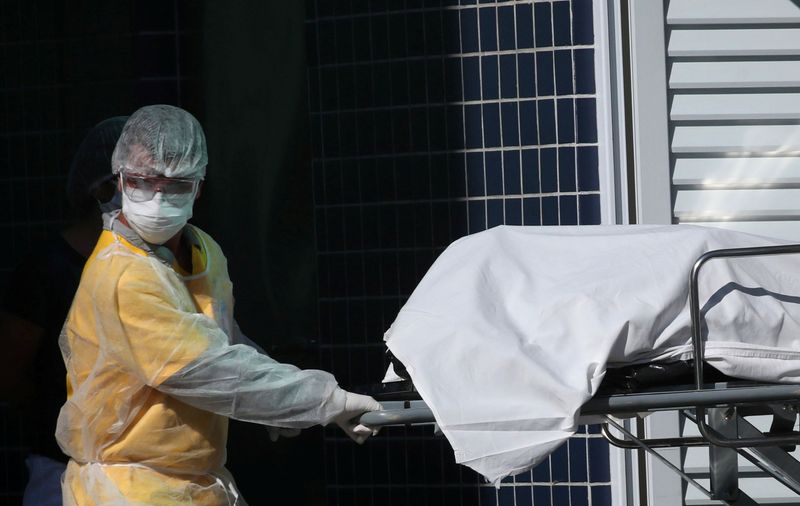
[[64, 68], [431, 120], [61, 71]]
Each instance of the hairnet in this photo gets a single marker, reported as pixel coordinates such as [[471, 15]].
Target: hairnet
[[161, 140], [92, 161]]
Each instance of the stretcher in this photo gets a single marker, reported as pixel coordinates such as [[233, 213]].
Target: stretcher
[[718, 405]]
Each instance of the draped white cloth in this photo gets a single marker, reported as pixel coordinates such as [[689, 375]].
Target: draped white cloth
[[511, 330]]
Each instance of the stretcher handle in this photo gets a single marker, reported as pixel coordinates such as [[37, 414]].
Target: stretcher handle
[[377, 419], [699, 349]]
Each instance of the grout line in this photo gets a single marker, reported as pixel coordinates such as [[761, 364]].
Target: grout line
[[519, 126], [574, 82], [452, 103], [555, 118], [399, 203], [538, 126], [435, 9], [464, 120], [457, 151]]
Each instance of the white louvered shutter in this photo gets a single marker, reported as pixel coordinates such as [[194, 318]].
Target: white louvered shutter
[[733, 69]]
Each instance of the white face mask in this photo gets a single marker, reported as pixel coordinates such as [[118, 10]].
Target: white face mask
[[158, 220]]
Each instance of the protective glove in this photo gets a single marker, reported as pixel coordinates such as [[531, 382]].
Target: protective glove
[[277, 432], [354, 406]]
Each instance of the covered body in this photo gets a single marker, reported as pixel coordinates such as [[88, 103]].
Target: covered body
[[511, 330]]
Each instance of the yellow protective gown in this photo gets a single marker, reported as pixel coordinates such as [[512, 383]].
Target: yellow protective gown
[[155, 366]]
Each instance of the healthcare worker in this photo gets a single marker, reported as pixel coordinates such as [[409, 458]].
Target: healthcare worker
[[36, 300], [156, 363]]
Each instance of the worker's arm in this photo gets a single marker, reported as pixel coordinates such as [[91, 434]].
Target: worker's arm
[[187, 355], [238, 382]]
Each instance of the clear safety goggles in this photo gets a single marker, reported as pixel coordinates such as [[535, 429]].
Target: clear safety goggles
[[141, 188]]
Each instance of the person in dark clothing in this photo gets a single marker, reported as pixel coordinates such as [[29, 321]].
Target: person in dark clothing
[[36, 301]]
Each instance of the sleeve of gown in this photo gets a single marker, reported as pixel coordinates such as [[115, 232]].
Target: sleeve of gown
[[187, 356]]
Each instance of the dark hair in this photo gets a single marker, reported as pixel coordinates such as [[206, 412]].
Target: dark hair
[[91, 164]]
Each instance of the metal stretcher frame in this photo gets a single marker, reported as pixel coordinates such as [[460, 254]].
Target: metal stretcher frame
[[728, 434]]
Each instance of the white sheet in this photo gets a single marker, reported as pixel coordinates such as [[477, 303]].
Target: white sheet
[[511, 330]]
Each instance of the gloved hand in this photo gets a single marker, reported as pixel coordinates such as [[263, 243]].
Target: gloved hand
[[277, 432], [354, 406]]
